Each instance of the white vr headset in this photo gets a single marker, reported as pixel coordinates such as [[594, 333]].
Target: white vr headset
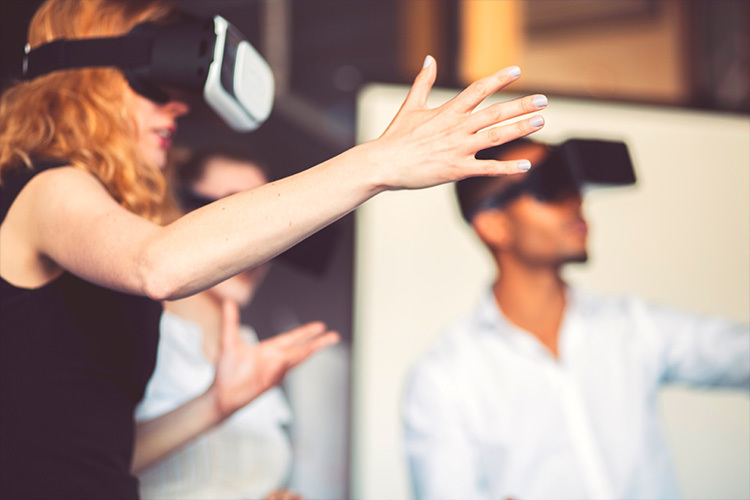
[[209, 56]]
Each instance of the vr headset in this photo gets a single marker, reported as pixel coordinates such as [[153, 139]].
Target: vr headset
[[570, 168], [209, 56]]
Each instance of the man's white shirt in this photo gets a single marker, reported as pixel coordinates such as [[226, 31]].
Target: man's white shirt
[[490, 413]]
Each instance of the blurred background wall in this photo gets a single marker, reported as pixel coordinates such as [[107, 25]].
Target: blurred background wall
[[606, 58]]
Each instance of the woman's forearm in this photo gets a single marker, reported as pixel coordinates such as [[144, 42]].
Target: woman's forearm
[[158, 437], [241, 231]]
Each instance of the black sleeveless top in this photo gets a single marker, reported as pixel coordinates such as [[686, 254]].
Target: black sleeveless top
[[74, 361]]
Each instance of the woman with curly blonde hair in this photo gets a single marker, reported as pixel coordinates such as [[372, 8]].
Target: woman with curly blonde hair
[[84, 261]]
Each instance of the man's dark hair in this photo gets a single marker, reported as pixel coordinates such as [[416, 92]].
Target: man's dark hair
[[471, 192]]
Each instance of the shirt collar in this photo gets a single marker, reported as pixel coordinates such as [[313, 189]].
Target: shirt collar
[[493, 322]]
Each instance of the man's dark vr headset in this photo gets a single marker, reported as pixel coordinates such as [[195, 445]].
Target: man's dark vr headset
[[569, 168], [208, 56]]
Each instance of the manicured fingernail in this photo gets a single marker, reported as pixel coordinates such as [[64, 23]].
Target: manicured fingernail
[[514, 71], [536, 121], [540, 101], [524, 165], [427, 61]]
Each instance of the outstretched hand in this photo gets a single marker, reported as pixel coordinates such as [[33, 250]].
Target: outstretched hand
[[423, 147], [245, 371]]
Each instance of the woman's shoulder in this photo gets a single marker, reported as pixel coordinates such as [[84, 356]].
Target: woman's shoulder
[[61, 173], [52, 175], [57, 188], [21, 171], [14, 178], [66, 186]]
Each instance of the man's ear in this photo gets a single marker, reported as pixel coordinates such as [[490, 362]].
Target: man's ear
[[492, 228]]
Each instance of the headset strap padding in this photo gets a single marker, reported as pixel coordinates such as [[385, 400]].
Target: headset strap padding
[[121, 52]]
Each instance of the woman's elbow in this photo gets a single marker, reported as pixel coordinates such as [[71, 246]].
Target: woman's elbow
[[158, 280]]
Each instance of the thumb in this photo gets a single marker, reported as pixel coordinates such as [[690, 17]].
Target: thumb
[[422, 85]]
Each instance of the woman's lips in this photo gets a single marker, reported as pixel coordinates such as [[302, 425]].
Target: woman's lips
[[165, 136]]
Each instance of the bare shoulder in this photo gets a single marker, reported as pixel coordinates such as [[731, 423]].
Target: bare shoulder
[[67, 198], [55, 197], [63, 183], [20, 263], [49, 202]]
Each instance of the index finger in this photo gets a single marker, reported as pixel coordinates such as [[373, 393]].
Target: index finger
[[480, 90]]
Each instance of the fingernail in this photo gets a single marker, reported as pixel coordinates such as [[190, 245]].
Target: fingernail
[[540, 101], [524, 165], [536, 121], [514, 71], [427, 61]]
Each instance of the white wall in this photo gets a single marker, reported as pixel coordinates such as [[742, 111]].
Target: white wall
[[681, 237]]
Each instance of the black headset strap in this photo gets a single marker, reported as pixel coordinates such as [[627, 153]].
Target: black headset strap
[[122, 52]]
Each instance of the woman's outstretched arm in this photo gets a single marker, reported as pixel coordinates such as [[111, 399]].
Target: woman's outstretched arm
[[79, 228]]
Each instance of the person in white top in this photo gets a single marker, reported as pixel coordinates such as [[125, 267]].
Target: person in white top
[[243, 452], [545, 391]]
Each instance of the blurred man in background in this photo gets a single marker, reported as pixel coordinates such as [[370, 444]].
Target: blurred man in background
[[544, 390]]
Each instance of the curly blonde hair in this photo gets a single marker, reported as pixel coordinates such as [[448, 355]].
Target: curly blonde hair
[[80, 115]]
